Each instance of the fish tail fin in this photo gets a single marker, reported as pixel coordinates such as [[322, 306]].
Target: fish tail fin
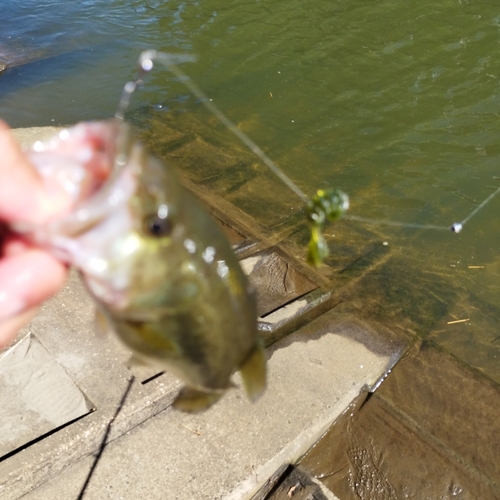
[[192, 400], [253, 372]]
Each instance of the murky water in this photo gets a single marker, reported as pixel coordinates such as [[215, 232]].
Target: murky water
[[397, 104]]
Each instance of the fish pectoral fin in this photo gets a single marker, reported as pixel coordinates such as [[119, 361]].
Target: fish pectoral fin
[[253, 372], [192, 400], [155, 337]]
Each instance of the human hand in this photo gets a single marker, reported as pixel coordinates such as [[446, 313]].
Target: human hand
[[28, 275]]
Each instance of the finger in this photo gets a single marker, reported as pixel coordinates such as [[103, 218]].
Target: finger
[[23, 195], [10, 327], [27, 279], [20, 184], [11, 243]]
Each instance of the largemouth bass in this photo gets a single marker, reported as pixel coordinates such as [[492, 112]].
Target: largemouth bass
[[160, 269]]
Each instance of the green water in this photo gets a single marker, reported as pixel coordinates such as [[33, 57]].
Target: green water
[[396, 103]]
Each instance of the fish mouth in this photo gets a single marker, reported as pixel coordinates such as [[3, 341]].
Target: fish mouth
[[84, 162], [109, 181], [96, 161], [114, 298], [106, 159]]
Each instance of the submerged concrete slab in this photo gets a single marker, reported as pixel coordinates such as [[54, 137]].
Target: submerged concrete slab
[[233, 449], [415, 438]]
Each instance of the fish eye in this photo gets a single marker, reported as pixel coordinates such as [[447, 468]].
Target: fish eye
[[158, 226]]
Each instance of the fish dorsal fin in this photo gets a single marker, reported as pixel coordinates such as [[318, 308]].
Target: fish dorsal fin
[[253, 372]]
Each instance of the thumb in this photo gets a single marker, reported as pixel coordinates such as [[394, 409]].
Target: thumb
[[23, 194]]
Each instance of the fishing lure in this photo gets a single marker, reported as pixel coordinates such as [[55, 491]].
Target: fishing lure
[[324, 206]]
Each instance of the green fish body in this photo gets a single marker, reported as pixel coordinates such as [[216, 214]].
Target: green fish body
[[159, 267]]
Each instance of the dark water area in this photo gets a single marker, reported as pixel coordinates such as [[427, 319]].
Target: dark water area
[[68, 61]]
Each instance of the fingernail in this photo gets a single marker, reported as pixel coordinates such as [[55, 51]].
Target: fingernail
[[10, 305]]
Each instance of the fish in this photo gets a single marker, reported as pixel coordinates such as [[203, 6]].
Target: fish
[[159, 268]]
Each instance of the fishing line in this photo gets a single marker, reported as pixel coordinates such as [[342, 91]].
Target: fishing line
[[480, 206], [171, 61], [124, 103], [387, 222], [456, 227], [104, 439]]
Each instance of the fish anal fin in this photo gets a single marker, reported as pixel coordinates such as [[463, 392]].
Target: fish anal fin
[[192, 400], [135, 360], [102, 324], [253, 372]]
